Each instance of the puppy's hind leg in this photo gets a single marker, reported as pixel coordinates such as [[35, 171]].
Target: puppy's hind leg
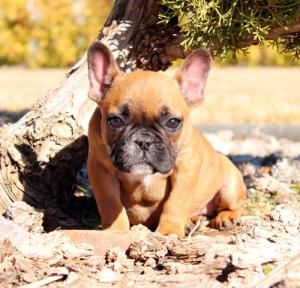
[[232, 196]]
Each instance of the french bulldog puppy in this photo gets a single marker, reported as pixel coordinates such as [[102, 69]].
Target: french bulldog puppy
[[146, 163]]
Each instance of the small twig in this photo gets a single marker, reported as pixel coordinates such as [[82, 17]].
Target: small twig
[[44, 281], [196, 227], [82, 189]]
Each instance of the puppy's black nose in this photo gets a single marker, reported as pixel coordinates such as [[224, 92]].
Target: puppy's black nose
[[143, 144]]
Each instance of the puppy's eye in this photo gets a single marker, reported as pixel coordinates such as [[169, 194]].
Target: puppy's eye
[[173, 123], [115, 122]]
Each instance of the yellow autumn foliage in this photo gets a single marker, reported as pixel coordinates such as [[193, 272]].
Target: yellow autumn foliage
[[266, 55], [48, 33]]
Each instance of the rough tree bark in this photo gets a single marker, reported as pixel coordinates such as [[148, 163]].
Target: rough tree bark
[[41, 153]]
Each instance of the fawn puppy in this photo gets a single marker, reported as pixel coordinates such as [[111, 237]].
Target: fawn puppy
[[147, 164]]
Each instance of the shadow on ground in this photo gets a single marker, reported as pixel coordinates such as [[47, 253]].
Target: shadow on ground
[[9, 116], [53, 187]]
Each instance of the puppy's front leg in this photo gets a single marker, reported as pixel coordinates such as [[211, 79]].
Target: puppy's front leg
[[177, 207], [175, 214], [106, 189]]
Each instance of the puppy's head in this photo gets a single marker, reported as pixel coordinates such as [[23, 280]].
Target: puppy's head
[[144, 114]]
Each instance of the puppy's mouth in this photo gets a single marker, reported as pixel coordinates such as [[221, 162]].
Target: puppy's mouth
[[141, 168]]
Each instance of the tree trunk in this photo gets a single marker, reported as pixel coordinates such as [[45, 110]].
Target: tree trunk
[[41, 154]]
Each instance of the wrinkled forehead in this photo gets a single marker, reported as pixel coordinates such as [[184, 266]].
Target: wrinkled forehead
[[145, 92]]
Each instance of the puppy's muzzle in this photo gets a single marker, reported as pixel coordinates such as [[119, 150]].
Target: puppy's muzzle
[[144, 152]]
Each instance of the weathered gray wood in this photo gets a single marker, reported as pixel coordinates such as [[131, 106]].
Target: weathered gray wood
[[90, 258]]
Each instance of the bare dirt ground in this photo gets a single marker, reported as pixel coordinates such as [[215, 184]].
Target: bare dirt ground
[[234, 95], [262, 251]]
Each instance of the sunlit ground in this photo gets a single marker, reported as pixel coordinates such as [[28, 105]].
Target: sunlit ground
[[234, 95]]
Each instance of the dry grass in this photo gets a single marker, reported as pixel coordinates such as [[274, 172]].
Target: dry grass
[[20, 87], [233, 95], [251, 95]]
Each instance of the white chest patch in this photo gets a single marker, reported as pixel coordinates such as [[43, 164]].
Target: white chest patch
[[145, 180]]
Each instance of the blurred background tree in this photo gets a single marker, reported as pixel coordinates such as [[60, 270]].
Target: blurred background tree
[[263, 55], [48, 33]]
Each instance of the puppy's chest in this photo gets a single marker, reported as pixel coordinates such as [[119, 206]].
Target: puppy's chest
[[146, 191], [144, 200]]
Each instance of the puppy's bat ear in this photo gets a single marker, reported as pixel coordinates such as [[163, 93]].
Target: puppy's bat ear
[[102, 69], [192, 76]]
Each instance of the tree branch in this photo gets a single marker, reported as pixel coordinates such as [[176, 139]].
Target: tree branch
[[276, 32]]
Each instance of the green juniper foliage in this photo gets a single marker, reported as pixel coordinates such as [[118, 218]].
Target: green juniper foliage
[[229, 26]]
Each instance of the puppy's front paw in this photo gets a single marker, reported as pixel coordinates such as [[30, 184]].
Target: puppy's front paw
[[122, 226], [225, 220], [167, 228]]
